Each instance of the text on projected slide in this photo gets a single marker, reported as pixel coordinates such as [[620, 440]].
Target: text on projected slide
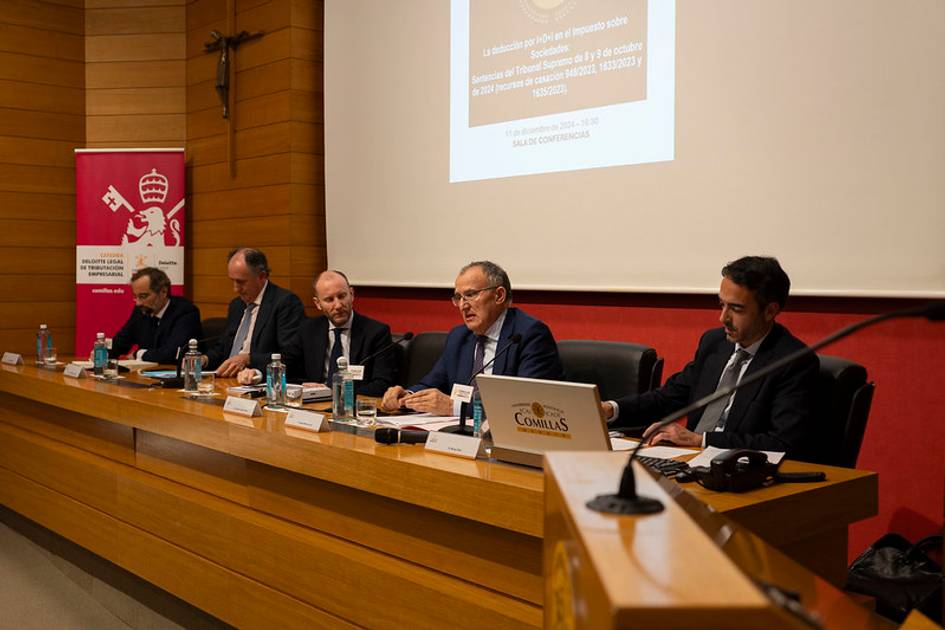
[[521, 68]]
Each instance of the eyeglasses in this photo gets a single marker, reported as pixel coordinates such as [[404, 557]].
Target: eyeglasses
[[470, 295]]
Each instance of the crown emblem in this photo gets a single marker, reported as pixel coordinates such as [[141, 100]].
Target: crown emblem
[[152, 187]]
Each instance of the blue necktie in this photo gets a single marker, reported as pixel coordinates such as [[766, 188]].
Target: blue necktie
[[243, 330], [336, 353]]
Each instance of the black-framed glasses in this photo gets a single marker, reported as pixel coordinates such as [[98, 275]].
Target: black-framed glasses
[[470, 295]]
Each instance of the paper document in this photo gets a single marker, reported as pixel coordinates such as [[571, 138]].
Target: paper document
[[659, 452], [419, 419], [711, 452]]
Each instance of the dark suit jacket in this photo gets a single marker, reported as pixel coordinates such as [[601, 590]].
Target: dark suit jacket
[[277, 324], [774, 414], [535, 356], [179, 324], [306, 357]]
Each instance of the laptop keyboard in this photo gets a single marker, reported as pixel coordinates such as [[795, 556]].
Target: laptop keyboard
[[666, 467]]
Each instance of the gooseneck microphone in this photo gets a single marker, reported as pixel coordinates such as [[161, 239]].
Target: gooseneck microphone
[[407, 336], [462, 428], [177, 382], [627, 501], [400, 436]]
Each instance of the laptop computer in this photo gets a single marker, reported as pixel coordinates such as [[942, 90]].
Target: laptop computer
[[529, 416]]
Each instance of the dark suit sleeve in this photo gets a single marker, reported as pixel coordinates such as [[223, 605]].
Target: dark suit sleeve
[[288, 317], [790, 397], [124, 338], [183, 328], [293, 354], [641, 409], [383, 373], [538, 357]]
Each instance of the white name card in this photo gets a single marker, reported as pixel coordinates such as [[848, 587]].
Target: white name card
[[74, 371], [308, 420], [242, 406], [12, 358], [462, 393], [455, 444], [356, 372]]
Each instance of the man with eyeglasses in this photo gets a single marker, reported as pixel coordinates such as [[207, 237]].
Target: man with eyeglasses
[[159, 323], [483, 295]]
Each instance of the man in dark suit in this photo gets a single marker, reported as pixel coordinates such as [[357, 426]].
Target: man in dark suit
[[483, 294], [263, 319], [160, 323], [774, 414], [342, 332]]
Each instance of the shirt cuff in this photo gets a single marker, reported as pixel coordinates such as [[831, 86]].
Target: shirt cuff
[[140, 353], [703, 440], [613, 405], [457, 407]]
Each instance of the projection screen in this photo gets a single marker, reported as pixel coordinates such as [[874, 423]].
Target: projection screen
[[637, 145]]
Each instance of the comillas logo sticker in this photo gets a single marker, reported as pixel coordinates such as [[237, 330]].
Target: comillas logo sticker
[[539, 419]]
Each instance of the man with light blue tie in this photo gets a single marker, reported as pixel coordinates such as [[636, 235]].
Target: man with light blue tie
[[262, 320]]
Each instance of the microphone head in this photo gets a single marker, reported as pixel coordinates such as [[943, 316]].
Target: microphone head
[[407, 336], [387, 436], [516, 338]]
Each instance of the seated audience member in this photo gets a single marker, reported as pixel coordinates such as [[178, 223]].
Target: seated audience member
[[159, 323], [483, 295], [261, 320], [342, 332], [774, 414]]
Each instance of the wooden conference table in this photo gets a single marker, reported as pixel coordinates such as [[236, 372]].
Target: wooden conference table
[[262, 524]]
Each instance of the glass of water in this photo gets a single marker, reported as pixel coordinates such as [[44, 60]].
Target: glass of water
[[293, 395], [367, 412], [111, 369], [205, 386], [51, 356]]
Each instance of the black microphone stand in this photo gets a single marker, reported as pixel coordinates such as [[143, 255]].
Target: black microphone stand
[[462, 428], [627, 501]]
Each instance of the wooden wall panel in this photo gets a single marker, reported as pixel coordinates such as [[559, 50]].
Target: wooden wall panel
[[42, 118], [273, 198]]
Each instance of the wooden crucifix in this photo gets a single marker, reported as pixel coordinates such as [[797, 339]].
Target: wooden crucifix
[[225, 45]]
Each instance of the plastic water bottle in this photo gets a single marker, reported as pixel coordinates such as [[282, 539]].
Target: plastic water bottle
[[275, 381], [43, 341], [478, 416], [99, 354], [191, 367], [342, 392]]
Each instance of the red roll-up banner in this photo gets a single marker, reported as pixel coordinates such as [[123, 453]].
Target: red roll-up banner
[[129, 211]]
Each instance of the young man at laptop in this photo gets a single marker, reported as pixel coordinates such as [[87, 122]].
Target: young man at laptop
[[774, 414], [483, 295]]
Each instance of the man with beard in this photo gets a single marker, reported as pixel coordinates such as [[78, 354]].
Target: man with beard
[[160, 323], [774, 414]]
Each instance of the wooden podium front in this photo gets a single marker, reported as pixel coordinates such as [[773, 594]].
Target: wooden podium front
[[684, 567]]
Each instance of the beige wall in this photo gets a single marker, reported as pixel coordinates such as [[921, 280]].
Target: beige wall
[[99, 73]]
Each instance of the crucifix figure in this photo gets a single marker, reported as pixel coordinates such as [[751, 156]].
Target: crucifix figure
[[224, 45]]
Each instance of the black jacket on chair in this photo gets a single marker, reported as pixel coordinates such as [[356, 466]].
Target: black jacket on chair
[[774, 414], [179, 324], [306, 357]]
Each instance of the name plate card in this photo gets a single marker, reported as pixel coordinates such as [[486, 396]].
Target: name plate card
[[12, 358], [242, 406], [462, 393], [74, 371], [308, 420], [356, 372], [464, 446]]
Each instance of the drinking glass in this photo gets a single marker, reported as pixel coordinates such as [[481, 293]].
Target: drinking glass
[[293, 395], [367, 412], [51, 356], [205, 386]]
